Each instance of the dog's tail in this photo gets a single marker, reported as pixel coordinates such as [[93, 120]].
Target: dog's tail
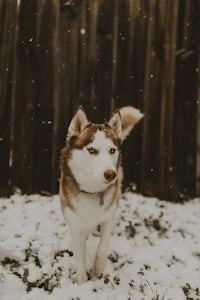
[[130, 116]]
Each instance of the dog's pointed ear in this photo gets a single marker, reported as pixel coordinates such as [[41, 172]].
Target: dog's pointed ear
[[78, 123], [115, 123], [130, 116]]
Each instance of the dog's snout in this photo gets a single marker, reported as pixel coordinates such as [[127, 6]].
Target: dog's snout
[[110, 175]]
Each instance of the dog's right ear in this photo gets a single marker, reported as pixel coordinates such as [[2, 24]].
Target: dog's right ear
[[78, 123], [115, 123]]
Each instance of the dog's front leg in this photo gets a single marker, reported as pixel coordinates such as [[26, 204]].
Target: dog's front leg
[[79, 247], [102, 249]]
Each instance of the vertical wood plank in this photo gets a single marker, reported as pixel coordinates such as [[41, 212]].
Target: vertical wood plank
[[104, 66], [66, 81], [24, 98], [152, 93], [196, 31], [87, 55], [57, 107], [44, 114], [185, 124], [168, 183], [198, 131], [8, 16], [130, 73], [124, 85]]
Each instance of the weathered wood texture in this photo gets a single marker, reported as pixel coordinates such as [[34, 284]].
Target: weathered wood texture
[[102, 54], [8, 23]]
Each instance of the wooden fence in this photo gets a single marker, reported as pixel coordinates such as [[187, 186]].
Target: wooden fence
[[55, 55]]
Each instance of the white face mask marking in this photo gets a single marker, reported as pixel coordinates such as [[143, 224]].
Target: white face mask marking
[[95, 166]]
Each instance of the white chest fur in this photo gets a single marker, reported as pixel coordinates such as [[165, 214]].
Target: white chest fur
[[88, 213]]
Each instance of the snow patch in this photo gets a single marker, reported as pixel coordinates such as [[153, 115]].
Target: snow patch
[[154, 251]]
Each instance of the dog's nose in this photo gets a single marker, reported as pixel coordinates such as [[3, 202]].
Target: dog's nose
[[109, 175]]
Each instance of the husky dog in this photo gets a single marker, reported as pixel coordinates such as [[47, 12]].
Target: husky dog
[[90, 184]]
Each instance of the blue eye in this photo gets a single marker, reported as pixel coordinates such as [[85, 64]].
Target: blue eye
[[91, 150], [112, 150]]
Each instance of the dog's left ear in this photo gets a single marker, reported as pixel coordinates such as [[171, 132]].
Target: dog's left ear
[[115, 123], [130, 116], [78, 123]]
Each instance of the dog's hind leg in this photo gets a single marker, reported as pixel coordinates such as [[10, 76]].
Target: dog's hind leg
[[102, 249], [79, 248]]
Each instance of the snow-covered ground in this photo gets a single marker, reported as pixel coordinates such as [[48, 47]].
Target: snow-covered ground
[[154, 252]]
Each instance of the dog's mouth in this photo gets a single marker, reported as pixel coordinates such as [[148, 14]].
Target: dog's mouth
[[108, 182]]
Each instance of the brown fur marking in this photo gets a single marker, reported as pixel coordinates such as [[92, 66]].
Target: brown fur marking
[[79, 142]]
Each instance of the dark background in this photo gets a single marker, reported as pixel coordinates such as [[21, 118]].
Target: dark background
[[55, 55]]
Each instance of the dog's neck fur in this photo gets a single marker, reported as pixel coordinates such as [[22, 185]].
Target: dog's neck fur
[[99, 194], [70, 176]]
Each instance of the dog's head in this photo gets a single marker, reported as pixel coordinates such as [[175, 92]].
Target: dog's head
[[94, 149]]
